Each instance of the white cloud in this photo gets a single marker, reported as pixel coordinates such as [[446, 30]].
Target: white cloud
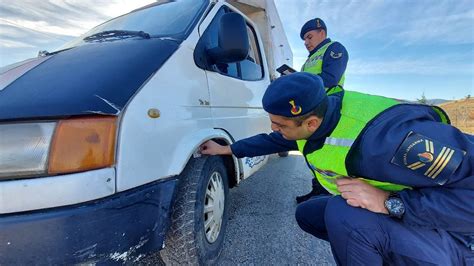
[[385, 23], [384, 37], [43, 26], [430, 66], [14, 44], [405, 21], [64, 17], [451, 29], [422, 66], [27, 26]]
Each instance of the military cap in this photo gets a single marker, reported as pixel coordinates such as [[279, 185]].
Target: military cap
[[313, 24], [294, 95]]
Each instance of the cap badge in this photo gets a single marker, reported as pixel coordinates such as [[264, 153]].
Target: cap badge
[[318, 24], [295, 110]]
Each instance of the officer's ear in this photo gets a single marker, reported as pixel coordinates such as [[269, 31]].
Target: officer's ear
[[313, 123], [325, 34]]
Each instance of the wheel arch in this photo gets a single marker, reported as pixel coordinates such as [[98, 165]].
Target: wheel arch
[[188, 148]]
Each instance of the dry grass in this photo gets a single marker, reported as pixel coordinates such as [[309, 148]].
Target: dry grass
[[461, 113]]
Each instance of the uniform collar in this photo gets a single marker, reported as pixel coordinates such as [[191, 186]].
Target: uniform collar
[[327, 40], [331, 118]]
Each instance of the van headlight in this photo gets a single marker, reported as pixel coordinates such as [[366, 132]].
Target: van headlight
[[24, 148], [65, 146]]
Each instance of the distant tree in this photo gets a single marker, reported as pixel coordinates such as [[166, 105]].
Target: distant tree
[[423, 99], [468, 96]]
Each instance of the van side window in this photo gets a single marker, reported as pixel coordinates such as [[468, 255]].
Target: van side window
[[251, 68]]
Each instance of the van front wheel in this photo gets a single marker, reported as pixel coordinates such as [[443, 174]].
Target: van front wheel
[[199, 215]]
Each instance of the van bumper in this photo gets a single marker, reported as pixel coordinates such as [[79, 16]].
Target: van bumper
[[119, 228]]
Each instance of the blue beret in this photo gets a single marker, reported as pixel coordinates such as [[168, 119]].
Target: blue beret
[[294, 95], [313, 24]]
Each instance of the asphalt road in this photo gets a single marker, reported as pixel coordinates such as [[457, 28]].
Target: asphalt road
[[262, 229]]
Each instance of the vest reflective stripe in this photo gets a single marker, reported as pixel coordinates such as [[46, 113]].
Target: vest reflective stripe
[[328, 163], [321, 175], [339, 142], [314, 65]]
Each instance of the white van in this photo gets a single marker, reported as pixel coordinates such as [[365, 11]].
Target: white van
[[99, 140]]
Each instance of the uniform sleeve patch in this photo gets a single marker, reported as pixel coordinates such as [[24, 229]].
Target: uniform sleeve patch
[[335, 55], [428, 157]]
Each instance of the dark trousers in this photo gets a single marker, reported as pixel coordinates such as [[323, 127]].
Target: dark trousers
[[360, 237]]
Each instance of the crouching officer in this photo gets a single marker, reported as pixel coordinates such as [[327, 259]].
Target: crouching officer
[[328, 59], [402, 178]]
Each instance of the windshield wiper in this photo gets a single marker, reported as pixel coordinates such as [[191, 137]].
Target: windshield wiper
[[116, 34], [43, 53]]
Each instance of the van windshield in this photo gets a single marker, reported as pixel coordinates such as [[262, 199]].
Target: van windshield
[[166, 18]]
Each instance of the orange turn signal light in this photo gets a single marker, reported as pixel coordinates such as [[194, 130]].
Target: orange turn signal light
[[81, 144]]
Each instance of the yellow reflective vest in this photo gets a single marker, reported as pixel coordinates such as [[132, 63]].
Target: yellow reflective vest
[[328, 163], [314, 65]]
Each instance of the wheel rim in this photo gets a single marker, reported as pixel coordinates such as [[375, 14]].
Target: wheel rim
[[214, 207]]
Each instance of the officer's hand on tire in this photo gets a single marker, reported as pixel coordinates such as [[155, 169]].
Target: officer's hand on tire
[[213, 148]]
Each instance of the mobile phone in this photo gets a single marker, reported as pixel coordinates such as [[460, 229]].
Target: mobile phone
[[285, 70]]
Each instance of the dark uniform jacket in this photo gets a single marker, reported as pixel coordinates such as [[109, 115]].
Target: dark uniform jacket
[[448, 206], [333, 67]]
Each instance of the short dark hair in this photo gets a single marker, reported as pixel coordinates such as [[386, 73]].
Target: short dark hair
[[319, 112]]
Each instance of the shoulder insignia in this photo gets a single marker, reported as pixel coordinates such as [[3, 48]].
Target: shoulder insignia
[[335, 55], [428, 157]]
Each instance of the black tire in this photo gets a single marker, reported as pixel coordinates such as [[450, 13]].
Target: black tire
[[283, 154], [186, 241]]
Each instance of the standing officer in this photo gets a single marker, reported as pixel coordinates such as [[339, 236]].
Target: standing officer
[[402, 178], [327, 59]]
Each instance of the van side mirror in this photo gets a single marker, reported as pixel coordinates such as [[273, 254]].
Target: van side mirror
[[233, 40]]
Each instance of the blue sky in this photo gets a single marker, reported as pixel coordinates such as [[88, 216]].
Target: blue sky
[[399, 48]]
